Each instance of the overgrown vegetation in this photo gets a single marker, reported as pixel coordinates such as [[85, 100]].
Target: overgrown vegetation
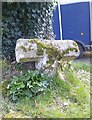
[[24, 20], [28, 85], [82, 66], [59, 99]]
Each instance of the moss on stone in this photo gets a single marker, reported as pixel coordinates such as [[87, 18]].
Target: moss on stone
[[53, 53], [23, 48], [25, 59], [30, 48], [29, 59], [75, 44], [40, 50], [69, 49]]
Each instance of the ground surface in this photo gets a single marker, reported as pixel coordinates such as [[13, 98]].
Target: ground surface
[[67, 99], [87, 58]]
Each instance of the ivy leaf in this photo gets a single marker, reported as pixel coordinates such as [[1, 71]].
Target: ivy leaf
[[15, 79], [14, 97], [28, 93], [34, 11]]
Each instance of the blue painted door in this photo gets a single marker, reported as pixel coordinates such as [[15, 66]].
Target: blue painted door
[[75, 22]]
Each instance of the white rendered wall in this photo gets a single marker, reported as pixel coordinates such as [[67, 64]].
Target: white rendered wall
[[72, 1]]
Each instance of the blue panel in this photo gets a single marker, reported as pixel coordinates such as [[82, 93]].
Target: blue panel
[[56, 28], [76, 22]]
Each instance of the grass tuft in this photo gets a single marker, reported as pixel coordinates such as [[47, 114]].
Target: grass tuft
[[63, 99]]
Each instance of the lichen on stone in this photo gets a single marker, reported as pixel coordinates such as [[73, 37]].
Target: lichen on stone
[[53, 52], [46, 52], [23, 48]]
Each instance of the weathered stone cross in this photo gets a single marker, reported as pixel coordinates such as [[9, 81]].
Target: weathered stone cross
[[48, 55]]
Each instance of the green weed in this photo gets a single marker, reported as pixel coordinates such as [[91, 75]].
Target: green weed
[[82, 66], [69, 98], [30, 84]]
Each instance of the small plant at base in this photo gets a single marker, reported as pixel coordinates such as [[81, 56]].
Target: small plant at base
[[29, 85]]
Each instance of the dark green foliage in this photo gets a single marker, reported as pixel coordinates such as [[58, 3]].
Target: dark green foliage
[[28, 85], [3, 87], [24, 20]]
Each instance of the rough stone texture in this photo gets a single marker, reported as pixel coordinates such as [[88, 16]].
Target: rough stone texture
[[49, 55]]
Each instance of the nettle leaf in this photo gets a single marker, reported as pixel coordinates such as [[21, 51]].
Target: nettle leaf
[[28, 93], [29, 84], [8, 86], [14, 97], [21, 85], [13, 90], [45, 84], [41, 90], [27, 77], [15, 79]]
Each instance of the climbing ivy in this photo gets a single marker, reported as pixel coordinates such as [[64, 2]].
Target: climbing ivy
[[25, 20]]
